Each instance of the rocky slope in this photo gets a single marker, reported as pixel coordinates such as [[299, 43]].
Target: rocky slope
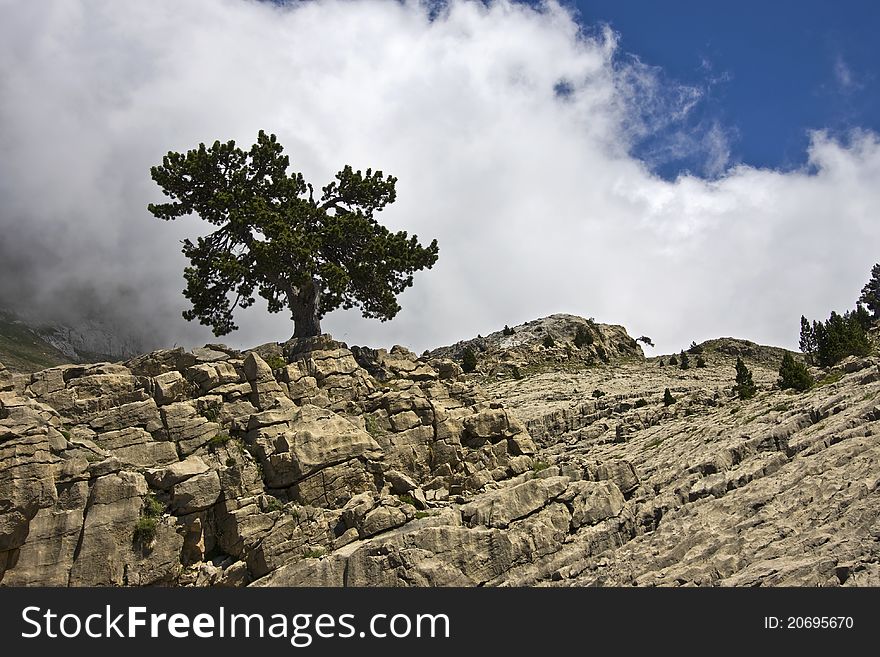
[[314, 464]]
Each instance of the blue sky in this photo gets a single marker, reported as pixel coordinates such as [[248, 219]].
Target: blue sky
[[770, 70], [710, 169]]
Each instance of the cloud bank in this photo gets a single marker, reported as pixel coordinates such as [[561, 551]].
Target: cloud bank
[[511, 130]]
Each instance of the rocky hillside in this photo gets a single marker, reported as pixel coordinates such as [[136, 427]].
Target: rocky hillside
[[30, 346], [24, 350], [550, 343], [313, 464]]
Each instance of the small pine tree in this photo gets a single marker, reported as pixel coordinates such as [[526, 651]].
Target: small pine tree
[[582, 337], [507, 330], [685, 361], [673, 360], [695, 348], [662, 363], [701, 362], [668, 399], [468, 360], [794, 374], [645, 340], [549, 342], [807, 341], [744, 387], [871, 292]]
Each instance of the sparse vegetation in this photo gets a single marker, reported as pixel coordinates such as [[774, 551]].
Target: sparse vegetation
[[372, 425], [219, 440], [684, 361], [832, 378], [641, 402], [407, 499], [145, 531], [600, 352], [745, 387], [276, 362], [540, 465], [644, 339], [549, 342], [794, 374], [230, 462], [421, 514], [211, 411], [273, 504], [662, 363], [668, 399], [314, 553], [673, 360], [598, 393], [148, 522], [507, 330], [152, 508], [468, 360], [701, 362], [516, 372]]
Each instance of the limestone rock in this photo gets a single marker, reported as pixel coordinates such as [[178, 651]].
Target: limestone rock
[[196, 493], [312, 439]]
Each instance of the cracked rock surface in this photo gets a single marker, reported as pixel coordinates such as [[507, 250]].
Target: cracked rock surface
[[312, 464]]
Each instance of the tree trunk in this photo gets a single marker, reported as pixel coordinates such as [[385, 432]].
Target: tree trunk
[[305, 306]]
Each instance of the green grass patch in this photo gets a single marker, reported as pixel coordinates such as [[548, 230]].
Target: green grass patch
[[273, 504], [372, 426], [540, 465], [407, 499], [315, 553], [219, 440], [422, 514], [145, 531], [832, 378], [153, 508], [148, 522], [276, 362]]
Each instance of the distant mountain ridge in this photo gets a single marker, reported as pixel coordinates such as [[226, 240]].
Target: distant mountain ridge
[[28, 346]]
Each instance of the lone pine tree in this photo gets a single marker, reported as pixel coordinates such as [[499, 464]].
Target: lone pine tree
[[274, 238], [744, 387]]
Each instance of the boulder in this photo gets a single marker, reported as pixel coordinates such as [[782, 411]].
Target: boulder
[[171, 475], [592, 501], [314, 438], [196, 493], [500, 508]]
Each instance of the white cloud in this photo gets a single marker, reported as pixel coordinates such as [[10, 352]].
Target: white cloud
[[537, 206]]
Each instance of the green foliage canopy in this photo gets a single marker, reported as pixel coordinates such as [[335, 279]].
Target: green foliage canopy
[[273, 237]]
